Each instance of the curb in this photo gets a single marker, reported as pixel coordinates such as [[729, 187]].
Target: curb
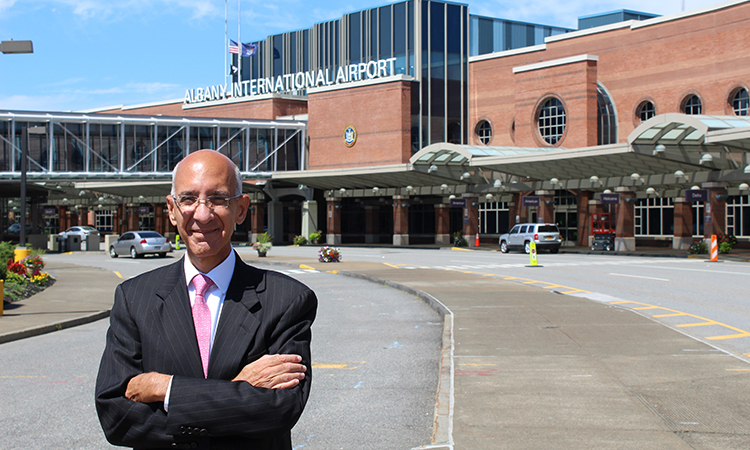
[[49, 328]]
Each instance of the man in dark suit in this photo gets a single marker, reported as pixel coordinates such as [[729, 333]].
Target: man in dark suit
[[207, 352]]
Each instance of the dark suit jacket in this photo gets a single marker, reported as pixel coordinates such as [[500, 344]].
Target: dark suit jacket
[[151, 329]]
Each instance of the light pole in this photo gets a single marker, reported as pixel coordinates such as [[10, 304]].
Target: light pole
[[11, 47]]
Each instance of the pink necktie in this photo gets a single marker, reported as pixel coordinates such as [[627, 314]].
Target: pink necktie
[[202, 318]]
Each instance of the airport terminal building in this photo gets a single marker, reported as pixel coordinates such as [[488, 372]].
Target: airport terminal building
[[405, 123]]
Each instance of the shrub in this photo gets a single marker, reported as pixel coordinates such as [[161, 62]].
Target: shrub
[[14, 278], [7, 250], [329, 254], [725, 247], [459, 240], [300, 240], [315, 237], [728, 239], [698, 248]]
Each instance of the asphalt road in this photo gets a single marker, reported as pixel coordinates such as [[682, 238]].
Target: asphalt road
[[375, 369], [707, 301]]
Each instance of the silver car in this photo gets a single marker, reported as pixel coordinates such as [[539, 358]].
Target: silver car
[[84, 231], [139, 243], [546, 236]]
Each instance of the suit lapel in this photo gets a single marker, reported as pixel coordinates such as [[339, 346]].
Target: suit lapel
[[237, 324], [177, 319]]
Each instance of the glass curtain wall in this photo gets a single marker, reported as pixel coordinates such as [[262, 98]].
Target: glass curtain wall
[[428, 39]]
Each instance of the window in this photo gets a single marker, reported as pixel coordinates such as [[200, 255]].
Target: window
[[645, 111], [654, 217], [552, 120], [494, 217], [607, 119], [692, 105], [739, 102], [484, 132]]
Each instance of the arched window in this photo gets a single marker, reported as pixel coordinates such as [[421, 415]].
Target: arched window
[[551, 120], [607, 132], [740, 102], [692, 105], [484, 132], [645, 111]]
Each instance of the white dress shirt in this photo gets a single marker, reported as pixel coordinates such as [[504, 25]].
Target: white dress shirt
[[221, 276]]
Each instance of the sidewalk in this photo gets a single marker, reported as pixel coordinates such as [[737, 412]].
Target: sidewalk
[[522, 368]]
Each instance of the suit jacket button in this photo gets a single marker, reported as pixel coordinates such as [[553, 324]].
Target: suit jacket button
[[204, 432], [183, 430]]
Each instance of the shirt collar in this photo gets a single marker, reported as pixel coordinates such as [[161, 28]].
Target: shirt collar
[[221, 275]]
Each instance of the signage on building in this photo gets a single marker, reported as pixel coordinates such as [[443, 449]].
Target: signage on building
[[144, 210], [299, 81], [530, 201], [609, 199], [696, 195], [350, 136], [458, 203], [49, 211]]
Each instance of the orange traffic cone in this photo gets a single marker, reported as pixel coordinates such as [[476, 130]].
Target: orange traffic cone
[[476, 243]]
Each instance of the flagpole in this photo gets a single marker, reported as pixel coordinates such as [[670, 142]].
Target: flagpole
[[239, 41], [226, 43]]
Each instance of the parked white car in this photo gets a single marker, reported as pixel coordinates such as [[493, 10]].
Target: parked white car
[[546, 236]]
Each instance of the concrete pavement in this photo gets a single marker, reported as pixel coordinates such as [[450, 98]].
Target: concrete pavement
[[522, 367]]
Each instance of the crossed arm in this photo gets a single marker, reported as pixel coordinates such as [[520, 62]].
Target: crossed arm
[[270, 372]]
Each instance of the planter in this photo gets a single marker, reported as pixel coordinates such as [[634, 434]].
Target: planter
[[261, 254]]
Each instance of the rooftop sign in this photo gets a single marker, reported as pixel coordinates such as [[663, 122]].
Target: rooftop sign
[[293, 82]]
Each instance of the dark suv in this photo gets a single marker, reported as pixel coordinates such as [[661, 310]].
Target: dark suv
[[546, 236]]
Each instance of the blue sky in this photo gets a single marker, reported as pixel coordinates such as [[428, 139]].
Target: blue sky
[[97, 53]]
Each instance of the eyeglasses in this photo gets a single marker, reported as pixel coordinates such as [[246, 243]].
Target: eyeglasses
[[190, 202]]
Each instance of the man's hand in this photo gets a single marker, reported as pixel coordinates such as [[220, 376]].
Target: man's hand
[[148, 387], [274, 372]]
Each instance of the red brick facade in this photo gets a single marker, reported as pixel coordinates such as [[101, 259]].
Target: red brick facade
[[381, 115], [702, 54]]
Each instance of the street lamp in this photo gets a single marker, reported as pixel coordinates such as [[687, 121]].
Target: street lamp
[[11, 47]]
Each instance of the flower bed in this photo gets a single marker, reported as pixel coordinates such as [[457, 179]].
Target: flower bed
[[329, 254]]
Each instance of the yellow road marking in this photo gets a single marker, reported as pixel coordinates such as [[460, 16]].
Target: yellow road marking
[[699, 324], [392, 265], [319, 365], [460, 249], [303, 266], [332, 271], [118, 274], [674, 313]]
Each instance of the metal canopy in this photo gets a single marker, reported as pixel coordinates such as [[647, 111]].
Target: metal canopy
[[398, 175]]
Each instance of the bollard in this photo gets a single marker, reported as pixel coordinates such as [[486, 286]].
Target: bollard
[[476, 243], [714, 249], [2, 296], [177, 242], [532, 255], [20, 253]]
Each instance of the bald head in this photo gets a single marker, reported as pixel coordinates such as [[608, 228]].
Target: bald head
[[209, 159]]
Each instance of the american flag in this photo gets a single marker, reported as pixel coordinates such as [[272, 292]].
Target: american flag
[[233, 47]]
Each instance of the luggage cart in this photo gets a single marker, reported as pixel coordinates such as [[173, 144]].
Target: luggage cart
[[603, 229]]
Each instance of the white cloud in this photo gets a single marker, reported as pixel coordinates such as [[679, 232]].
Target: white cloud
[[6, 4], [98, 9]]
